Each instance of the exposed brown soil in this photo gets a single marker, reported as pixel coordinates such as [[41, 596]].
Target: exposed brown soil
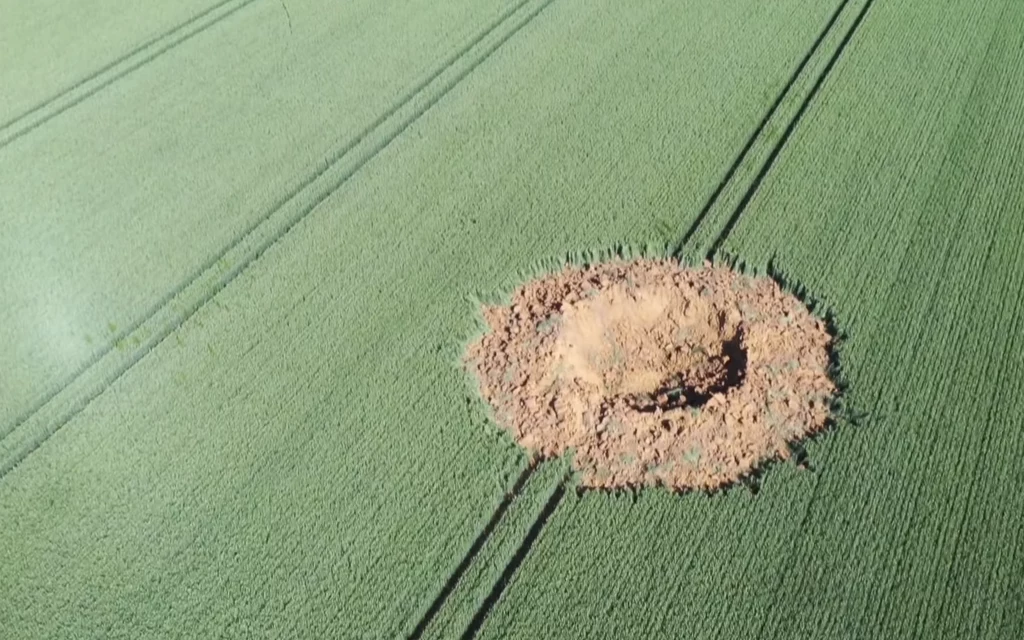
[[654, 373]]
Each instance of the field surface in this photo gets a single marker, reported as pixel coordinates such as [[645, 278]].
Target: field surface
[[242, 245]]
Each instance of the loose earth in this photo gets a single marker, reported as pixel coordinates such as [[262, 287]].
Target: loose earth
[[652, 373]]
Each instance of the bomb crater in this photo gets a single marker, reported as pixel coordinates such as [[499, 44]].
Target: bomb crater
[[655, 374]]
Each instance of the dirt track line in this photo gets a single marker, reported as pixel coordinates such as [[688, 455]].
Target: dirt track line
[[760, 130], [113, 71], [473, 552], [513, 566], [239, 238], [770, 161], [181, 303]]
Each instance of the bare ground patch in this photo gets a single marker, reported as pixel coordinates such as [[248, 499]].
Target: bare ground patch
[[655, 374]]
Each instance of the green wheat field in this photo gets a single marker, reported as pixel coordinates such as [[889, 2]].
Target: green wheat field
[[241, 248]]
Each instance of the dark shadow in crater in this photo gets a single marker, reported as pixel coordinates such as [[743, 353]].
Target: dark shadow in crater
[[678, 393]]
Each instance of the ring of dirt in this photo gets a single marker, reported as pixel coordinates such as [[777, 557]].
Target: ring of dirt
[[655, 374]]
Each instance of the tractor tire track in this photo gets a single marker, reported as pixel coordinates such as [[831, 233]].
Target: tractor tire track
[[734, 218], [113, 71], [71, 397]]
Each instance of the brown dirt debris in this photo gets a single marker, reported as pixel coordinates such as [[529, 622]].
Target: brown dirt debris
[[655, 374]]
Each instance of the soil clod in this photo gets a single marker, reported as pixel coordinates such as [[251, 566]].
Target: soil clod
[[655, 374]]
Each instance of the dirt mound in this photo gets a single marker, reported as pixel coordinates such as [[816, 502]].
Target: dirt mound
[[654, 373]]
